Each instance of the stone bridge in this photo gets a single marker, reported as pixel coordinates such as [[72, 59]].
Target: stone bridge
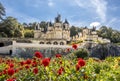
[[24, 49]]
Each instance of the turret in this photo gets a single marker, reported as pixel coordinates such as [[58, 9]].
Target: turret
[[66, 24], [58, 19]]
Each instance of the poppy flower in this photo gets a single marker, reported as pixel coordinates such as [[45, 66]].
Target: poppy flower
[[59, 72], [16, 70], [11, 65], [34, 64], [78, 67], [22, 63], [0, 73], [81, 62], [4, 71], [11, 71], [62, 69], [68, 49], [27, 67], [28, 61], [74, 46], [46, 61], [38, 54], [35, 70], [58, 55]]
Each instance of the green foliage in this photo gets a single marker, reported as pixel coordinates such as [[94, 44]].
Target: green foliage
[[94, 69], [74, 31], [28, 33], [109, 33], [97, 68], [2, 11], [81, 53], [11, 27]]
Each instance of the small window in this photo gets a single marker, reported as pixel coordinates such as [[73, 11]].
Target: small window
[[61, 43], [55, 43], [1, 44], [48, 43], [41, 42]]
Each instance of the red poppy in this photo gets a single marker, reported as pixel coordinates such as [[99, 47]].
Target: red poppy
[[62, 69], [60, 62], [11, 71], [59, 71], [68, 49], [11, 65], [46, 61], [27, 66], [58, 55], [22, 63], [34, 64], [16, 70], [35, 70], [0, 73], [28, 61], [78, 67], [4, 71], [81, 62], [38, 54], [74, 46]]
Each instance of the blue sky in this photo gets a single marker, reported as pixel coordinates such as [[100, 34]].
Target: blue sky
[[78, 12]]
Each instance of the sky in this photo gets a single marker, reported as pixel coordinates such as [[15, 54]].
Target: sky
[[78, 12]]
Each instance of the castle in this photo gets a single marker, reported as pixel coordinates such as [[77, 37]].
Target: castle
[[90, 35], [57, 33]]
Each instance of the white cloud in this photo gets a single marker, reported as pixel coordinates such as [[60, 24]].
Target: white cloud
[[50, 3], [96, 24], [97, 6], [101, 8]]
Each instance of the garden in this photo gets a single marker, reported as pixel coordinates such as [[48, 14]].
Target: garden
[[72, 67]]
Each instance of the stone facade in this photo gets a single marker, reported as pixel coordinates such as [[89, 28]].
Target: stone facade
[[55, 33], [90, 35]]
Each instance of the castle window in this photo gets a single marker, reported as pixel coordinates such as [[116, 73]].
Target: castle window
[[48, 43], [1, 44], [41, 42], [55, 43], [61, 43]]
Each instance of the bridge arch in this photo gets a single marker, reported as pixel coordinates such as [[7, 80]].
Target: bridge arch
[[48, 43], [41, 42], [61, 43], [1, 44], [55, 43]]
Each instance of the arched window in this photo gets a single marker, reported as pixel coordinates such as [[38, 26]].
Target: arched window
[[55, 43], [1, 44], [41, 42], [48, 43], [61, 43]]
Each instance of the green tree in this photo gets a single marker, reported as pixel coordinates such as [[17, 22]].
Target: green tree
[[73, 31], [109, 33], [43, 24], [28, 33], [2, 11], [11, 27]]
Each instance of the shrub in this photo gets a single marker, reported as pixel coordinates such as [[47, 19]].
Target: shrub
[[81, 53]]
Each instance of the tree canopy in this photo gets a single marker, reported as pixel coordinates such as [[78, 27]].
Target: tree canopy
[[10, 27], [2, 11], [109, 33]]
